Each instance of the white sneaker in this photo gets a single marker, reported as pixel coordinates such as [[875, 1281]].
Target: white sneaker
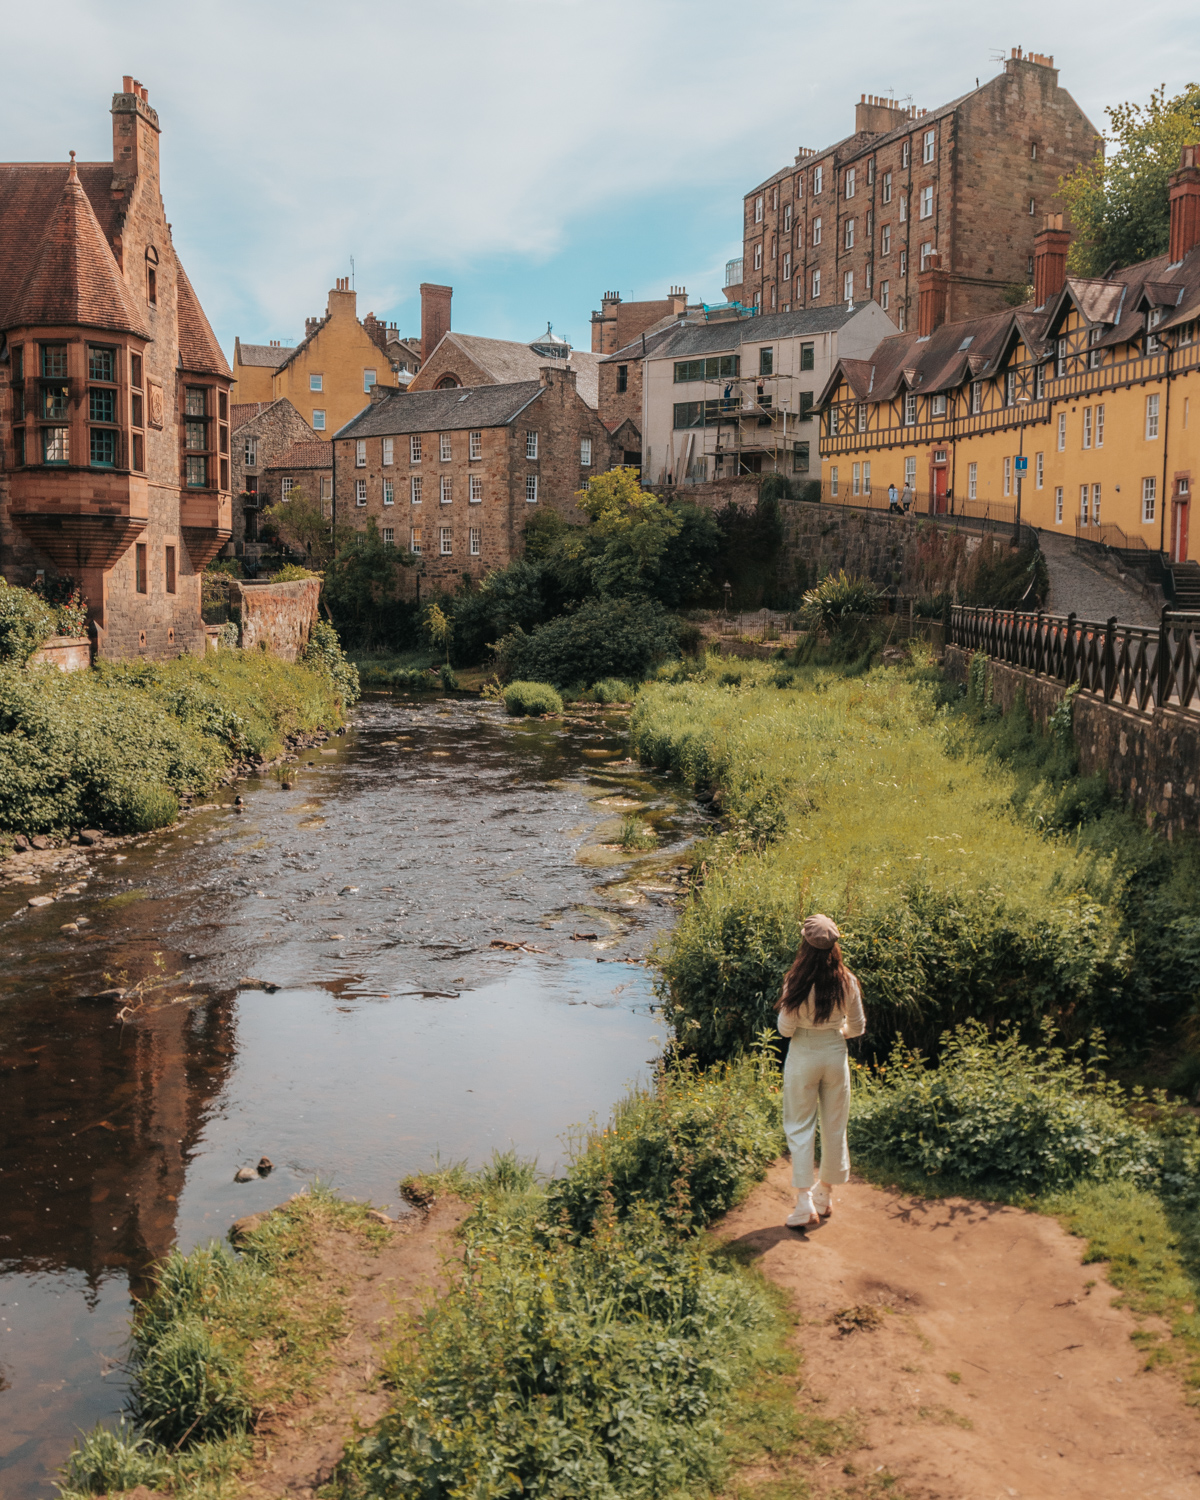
[[822, 1198], [803, 1213]]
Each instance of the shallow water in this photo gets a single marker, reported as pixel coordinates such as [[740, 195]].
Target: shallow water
[[367, 899]]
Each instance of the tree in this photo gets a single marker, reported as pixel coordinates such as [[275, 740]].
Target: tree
[[362, 591], [303, 525], [1119, 207], [439, 627], [637, 545]]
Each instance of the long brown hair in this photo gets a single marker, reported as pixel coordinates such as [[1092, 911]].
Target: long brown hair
[[821, 970]]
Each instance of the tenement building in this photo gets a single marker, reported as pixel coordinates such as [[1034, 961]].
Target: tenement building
[[114, 394], [619, 323], [1076, 406], [737, 396], [453, 474], [969, 182]]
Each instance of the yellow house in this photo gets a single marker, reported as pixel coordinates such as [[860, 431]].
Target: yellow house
[[329, 375], [1076, 407]]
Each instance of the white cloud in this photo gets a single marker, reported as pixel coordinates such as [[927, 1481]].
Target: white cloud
[[480, 141]]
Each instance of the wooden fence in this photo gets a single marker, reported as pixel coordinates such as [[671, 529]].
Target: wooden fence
[[1139, 666]]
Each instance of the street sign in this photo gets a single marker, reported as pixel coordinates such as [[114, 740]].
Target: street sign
[[1022, 465]]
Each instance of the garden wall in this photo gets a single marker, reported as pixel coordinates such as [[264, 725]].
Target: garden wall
[[67, 653], [1152, 760], [276, 617]]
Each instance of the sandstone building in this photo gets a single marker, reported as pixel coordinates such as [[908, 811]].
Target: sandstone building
[[619, 323], [1079, 402], [330, 373], [969, 182], [114, 394], [261, 433], [452, 474]]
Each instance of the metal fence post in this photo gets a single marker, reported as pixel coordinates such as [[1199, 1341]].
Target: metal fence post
[[1163, 662], [1069, 655], [1110, 658]]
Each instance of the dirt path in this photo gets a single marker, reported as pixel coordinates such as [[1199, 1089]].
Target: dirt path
[[301, 1445], [996, 1370]]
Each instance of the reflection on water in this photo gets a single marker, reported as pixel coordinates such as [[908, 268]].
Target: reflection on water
[[334, 1001]]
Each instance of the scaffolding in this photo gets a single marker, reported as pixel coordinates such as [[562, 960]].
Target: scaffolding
[[755, 425]]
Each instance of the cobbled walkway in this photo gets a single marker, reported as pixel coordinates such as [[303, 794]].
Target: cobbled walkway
[[1077, 587]]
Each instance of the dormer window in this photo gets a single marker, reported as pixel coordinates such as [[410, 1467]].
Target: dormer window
[[1094, 337], [1153, 319]]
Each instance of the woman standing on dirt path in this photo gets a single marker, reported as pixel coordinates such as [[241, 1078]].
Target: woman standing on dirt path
[[821, 1005]]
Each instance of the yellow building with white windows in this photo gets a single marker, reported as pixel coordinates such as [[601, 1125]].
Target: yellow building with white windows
[[1078, 407]]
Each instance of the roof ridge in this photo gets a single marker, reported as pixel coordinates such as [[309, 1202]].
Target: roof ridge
[[198, 347]]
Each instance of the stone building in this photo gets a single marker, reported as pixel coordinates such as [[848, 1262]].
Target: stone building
[[452, 474], [464, 359], [619, 323], [306, 468], [114, 394], [969, 182], [261, 433], [1075, 407], [737, 396], [330, 373]]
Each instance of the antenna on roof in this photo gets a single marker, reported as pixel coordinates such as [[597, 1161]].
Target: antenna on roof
[[352, 273], [996, 54]]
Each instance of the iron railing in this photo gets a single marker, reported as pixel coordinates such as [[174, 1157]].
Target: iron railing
[[1138, 666]]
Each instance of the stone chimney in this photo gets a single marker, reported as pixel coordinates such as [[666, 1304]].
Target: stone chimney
[[135, 137], [558, 371], [931, 296], [310, 326], [342, 301], [677, 297], [376, 331], [435, 315], [1185, 204], [875, 115], [1050, 260]]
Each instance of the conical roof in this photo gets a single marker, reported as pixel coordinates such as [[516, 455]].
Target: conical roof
[[198, 347], [74, 280]]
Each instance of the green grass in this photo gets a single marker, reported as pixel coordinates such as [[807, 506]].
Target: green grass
[[223, 1339]]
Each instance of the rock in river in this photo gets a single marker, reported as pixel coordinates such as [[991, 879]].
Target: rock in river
[[246, 1174]]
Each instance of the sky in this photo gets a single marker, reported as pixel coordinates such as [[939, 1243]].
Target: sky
[[533, 154]]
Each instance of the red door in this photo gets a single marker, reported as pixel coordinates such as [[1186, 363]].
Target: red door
[[939, 492]]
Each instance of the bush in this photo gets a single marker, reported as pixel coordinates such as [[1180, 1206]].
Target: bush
[[26, 622], [996, 1114], [147, 807], [324, 652], [293, 573], [603, 638], [612, 690], [532, 699], [839, 601]]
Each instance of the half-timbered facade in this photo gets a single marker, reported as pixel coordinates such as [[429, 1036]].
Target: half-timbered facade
[[1080, 407]]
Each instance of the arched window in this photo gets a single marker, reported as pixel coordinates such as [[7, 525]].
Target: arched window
[[152, 275], [448, 383]]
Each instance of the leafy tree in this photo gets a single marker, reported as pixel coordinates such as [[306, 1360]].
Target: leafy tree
[[512, 598], [636, 544], [622, 638], [751, 541], [1119, 207], [302, 524], [363, 592], [439, 627]]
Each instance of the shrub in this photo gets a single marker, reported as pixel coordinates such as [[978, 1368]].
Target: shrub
[[995, 1113], [532, 699], [602, 638], [146, 807], [26, 622], [838, 601], [292, 573], [612, 690], [324, 652]]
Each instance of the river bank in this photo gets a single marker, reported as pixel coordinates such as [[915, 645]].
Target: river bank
[[368, 899]]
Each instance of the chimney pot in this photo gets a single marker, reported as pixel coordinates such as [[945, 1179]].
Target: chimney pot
[[127, 84], [1050, 260]]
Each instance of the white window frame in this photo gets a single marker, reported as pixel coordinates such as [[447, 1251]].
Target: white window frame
[[1100, 425], [1084, 497], [414, 448], [885, 291], [370, 380], [475, 539], [972, 481], [475, 445], [585, 453], [758, 256], [1087, 426], [531, 489], [867, 478], [445, 448], [787, 265], [286, 485], [389, 492], [816, 284], [360, 492], [414, 540], [856, 479], [1007, 475], [1095, 505], [1039, 471], [318, 420], [758, 209], [848, 286], [475, 489], [1060, 359], [816, 230], [360, 453], [927, 203], [1062, 432], [885, 240], [904, 262], [1151, 418], [1149, 498], [531, 445], [316, 382], [910, 474], [446, 489], [903, 208], [250, 452], [939, 404], [976, 397], [929, 146], [849, 182], [833, 482], [389, 536], [389, 452], [910, 408], [849, 234], [904, 154], [818, 179], [414, 489], [862, 416], [1058, 504], [885, 195], [787, 218], [445, 541]]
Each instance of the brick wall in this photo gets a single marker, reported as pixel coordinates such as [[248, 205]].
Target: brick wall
[[277, 616]]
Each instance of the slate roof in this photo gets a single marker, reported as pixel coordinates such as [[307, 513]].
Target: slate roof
[[265, 356], [198, 347], [687, 339], [507, 362], [442, 411], [70, 275], [306, 454]]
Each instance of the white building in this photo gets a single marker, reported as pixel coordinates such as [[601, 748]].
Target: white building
[[736, 395]]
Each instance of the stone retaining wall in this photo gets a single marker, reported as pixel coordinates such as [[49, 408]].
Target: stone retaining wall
[[67, 653], [1152, 760], [277, 617]]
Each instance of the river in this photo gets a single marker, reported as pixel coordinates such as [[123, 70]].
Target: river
[[328, 997]]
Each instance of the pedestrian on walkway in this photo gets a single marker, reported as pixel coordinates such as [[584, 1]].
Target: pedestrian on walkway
[[893, 499], [906, 497], [821, 1005]]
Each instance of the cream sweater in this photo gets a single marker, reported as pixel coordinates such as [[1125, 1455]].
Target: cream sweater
[[848, 1018]]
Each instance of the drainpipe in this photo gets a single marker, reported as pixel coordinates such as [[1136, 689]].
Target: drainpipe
[[1162, 515]]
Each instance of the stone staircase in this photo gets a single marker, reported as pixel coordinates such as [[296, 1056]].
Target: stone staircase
[[1187, 586]]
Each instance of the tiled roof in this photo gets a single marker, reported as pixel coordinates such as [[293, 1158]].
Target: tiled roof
[[306, 455], [506, 361], [241, 412], [265, 356], [29, 192], [72, 277], [198, 347], [442, 411]]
